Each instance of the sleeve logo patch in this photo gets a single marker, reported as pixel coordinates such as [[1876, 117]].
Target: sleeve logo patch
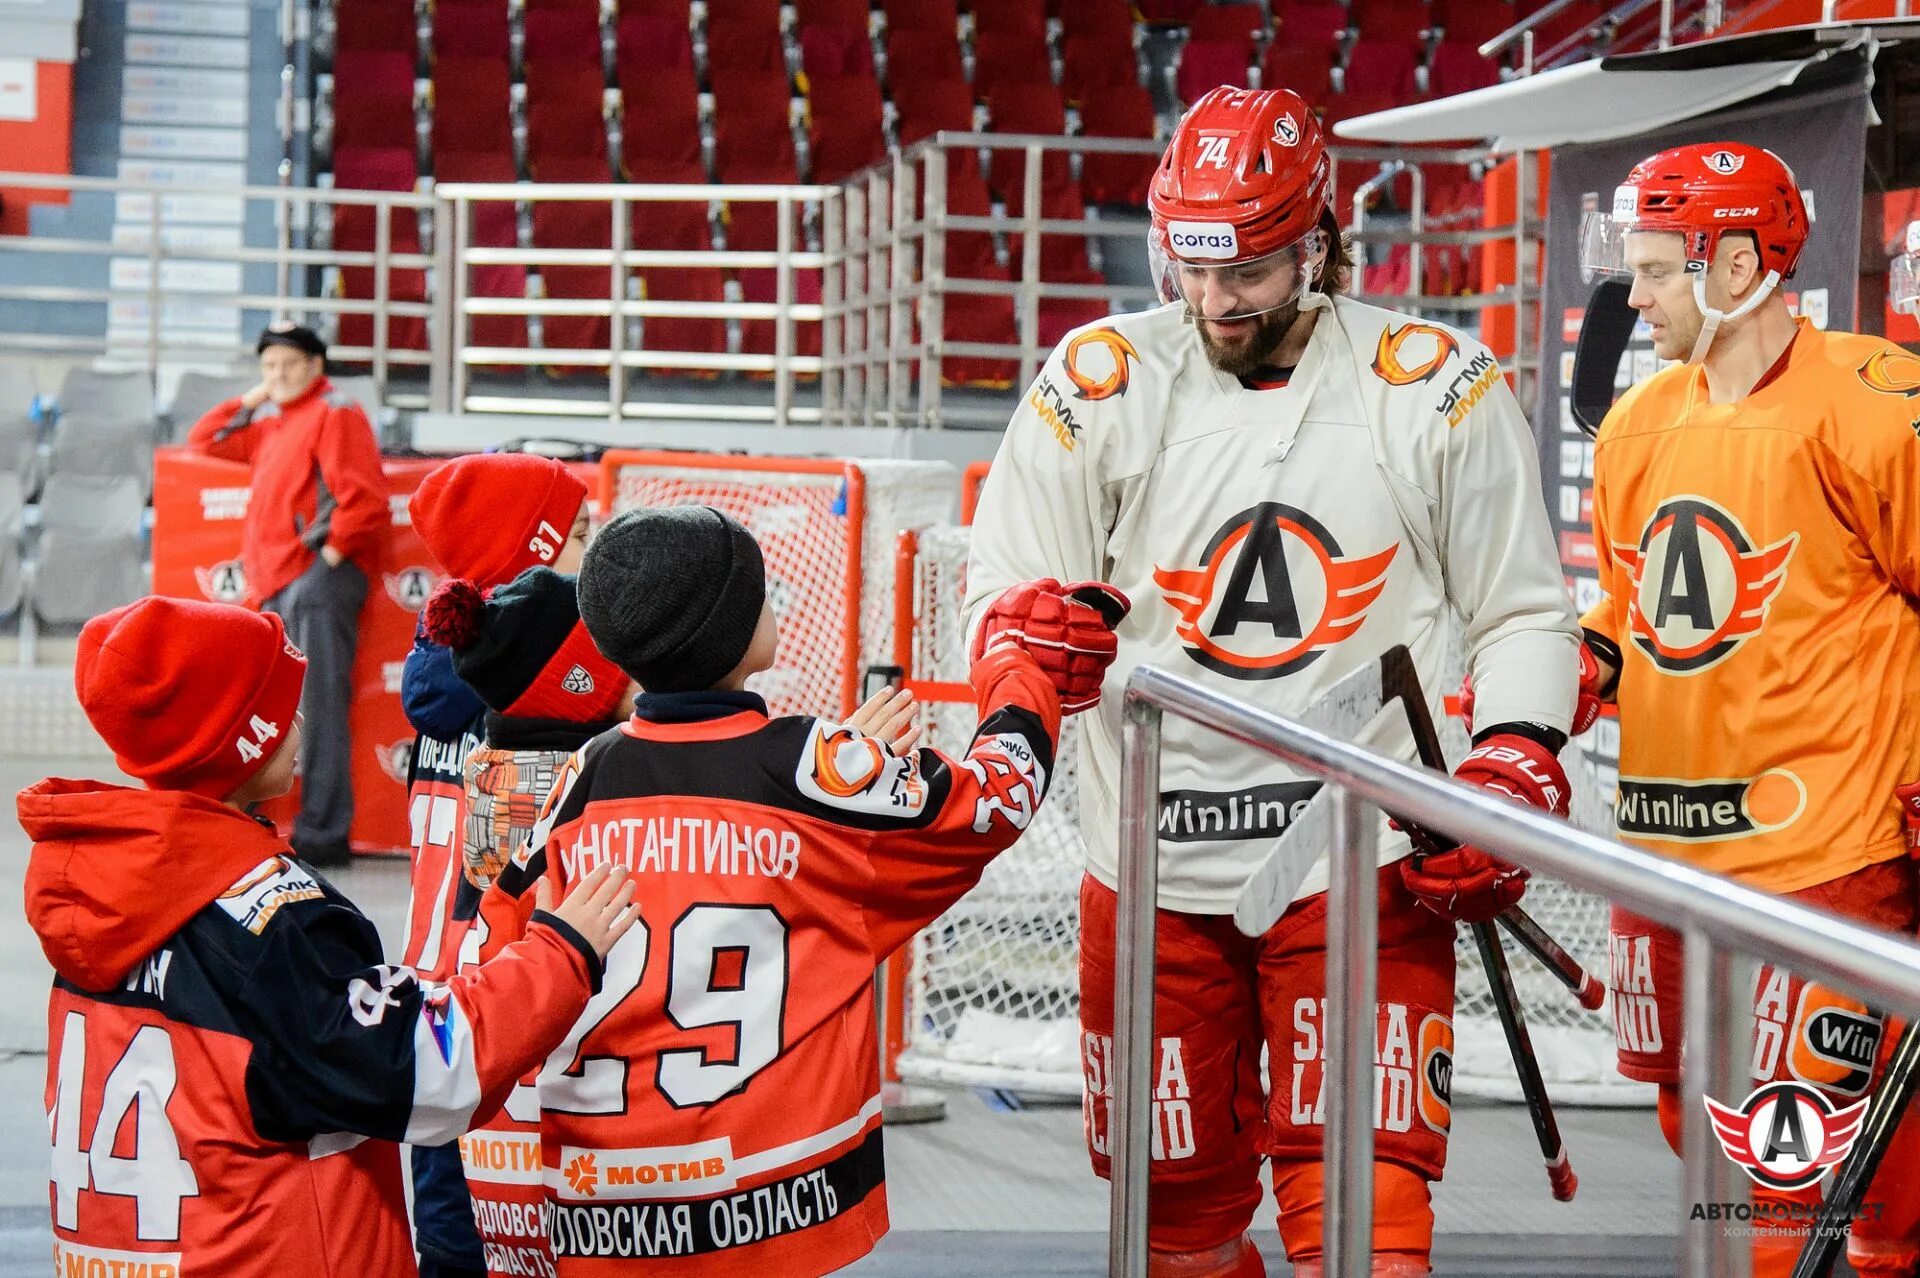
[[264, 890], [842, 768]]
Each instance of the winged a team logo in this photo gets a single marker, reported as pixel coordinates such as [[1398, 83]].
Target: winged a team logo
[[1273, 593], [410, 587], [1699, 586], [1786, 1135]]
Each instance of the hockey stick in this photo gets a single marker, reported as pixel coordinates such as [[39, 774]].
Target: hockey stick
[[1345, 708], [1884, 1112], [1605, 330], [1401, 679]]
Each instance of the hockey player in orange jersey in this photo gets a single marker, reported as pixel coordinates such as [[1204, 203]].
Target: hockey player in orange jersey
[[1756, 512]]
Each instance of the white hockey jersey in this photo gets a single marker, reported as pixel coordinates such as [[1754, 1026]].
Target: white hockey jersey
[[1272, 541]]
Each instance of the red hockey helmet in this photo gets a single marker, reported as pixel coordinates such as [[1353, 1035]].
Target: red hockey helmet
[[1700, 193], [1245, 177]]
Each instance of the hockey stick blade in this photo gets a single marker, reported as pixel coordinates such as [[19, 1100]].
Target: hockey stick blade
[[1347, 707], [1605, 330], [1890, 1103]]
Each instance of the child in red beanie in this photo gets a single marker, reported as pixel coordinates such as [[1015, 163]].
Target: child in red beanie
[[486, 518], [231, 998]]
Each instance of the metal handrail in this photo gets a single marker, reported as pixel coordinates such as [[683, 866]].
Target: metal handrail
[[1714, 915]]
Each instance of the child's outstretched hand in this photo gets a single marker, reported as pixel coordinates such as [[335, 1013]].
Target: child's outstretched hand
[[600, 907], [887, 717]]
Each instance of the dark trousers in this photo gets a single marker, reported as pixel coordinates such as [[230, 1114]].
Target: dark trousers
[[321, 608], [443, 1226]]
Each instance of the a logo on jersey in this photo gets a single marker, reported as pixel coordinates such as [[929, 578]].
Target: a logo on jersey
[[1094, 386], [1786, 1135], [1712, 810], [1468, 387], [1700, 588], [1836, 1042], [844, 768], [583, 1175], [225, 582], [410, 587], [578, 682], [262, 892], [1286, 131], [1892, 372], [1273, 593], [1403, 367], [1050, 406], [1436, 1072], [396, 759], [1725, 163]]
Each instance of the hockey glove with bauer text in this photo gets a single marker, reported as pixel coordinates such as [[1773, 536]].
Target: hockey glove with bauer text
[[1466, 884], [1068, 629], [1596, 690]]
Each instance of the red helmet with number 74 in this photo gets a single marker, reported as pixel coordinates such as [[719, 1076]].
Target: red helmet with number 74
[[1244, 178]]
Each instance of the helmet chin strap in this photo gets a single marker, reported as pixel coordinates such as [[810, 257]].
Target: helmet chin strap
[[1712, 318]]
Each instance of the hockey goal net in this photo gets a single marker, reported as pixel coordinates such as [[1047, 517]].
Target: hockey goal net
[[990, 998], [826, 529]]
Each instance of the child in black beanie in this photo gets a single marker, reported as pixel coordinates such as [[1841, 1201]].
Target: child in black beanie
[[780, 860]]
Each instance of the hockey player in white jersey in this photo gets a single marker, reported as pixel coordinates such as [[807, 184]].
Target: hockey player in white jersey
[[1286, 483]]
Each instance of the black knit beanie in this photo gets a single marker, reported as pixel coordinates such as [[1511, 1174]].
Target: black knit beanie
[[672, 595], [502, 639]]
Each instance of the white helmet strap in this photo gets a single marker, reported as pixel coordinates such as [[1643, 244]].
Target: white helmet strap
[[1712, 317]]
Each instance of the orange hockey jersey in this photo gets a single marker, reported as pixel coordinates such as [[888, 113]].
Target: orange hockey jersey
[[1761, 567], [716, 1109]]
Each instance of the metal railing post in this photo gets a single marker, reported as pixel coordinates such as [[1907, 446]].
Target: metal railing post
[[1029, 318], [1353, 925], [1130, 1120], [783, 315], [1666, 24], [617, 321], [457, 306], [441, 325], [899, 316], [1718, 1035], [832, 298], [933, 284], [1522, 383], [1417, 258], [382, 290]]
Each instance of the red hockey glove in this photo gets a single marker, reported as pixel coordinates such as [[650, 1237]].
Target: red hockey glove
[[1586, 707], [1466, 884], [1068, 629]]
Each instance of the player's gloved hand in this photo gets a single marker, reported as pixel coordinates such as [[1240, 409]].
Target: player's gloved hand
[[1466, 884], [1586, 706], [1068, 630]]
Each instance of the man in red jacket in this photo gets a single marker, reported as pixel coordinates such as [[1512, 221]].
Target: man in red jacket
[[312, 539]]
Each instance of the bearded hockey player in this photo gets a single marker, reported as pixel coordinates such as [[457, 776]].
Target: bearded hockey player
[[1287, 483], [1756, 513]]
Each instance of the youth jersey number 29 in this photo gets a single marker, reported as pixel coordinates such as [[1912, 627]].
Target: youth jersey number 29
[[727, 965]]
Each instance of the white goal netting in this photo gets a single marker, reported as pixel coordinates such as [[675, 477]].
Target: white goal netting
[[992, 996], [826, 530]]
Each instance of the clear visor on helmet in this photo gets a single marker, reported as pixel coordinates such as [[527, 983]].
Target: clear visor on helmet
[[1903, 276], [1191, 263]]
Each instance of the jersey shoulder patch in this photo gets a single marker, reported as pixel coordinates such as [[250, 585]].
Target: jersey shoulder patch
[[841, 767], [265, 890]]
